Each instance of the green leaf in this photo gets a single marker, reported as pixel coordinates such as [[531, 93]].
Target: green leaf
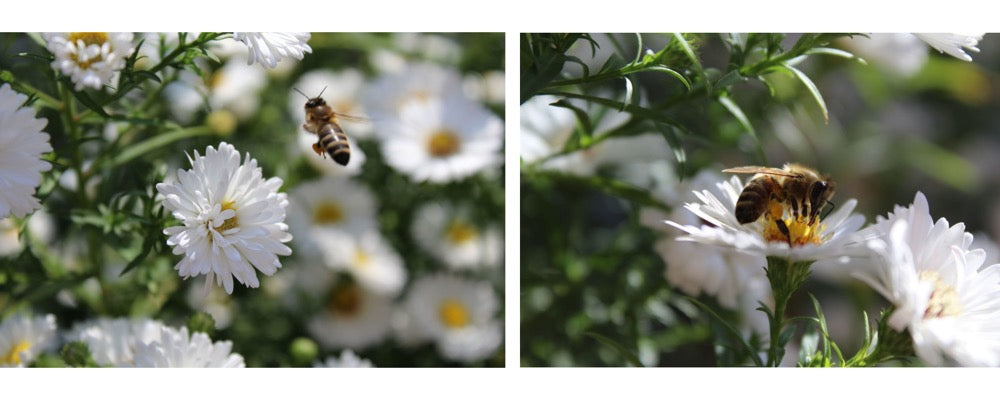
[[583, 135], [731, 330], [675, 74], [674, 140], [836, 53], [610, 186], [689, 52], [625, 353], [647, 113], [628, 93], [85, 99], [813, 90], [737, 112]]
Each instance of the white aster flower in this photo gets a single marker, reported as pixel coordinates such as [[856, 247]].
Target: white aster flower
[[387, 95], [366, 256], [448, 232], [176, 348], [825, 238], [22, 143], [354, 317], [24, 338], [901, 53], [233, 88], [942, 293], [213, 301], [233, 219], [954, 44], [113, 342], [329, 204], [90, 59], [267, 48], [347, 359], [459, 315], [442, 140]]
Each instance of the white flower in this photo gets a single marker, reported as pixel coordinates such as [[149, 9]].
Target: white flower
[[487, 87], [176, 348], [942, 293], [458, 314], [90, 59], [442, 140], [23, 338], [213, 301], [113, 342], [347, 360], [366, 256], [332, 204], [429, 46], [233, 220], [736, 279], [22, 143], [267, 48], [234, 88], [40, 226], [387, 95], [824, 239], [448, 232], [954, 44], [354, 317], [901, 53]]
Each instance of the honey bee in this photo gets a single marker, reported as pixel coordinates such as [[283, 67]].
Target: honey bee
[[322, 120], [800, 187]]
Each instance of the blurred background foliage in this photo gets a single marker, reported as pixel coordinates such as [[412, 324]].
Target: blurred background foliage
[[901, 119], [104, 253]]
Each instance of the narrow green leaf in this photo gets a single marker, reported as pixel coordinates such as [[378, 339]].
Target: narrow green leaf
[[813, 90], [610, 186], [625, 353], [583, 135], [741, 117], [836, 53], [647, 113], [674, 140], [689, 52], [732, 331], [628, 93], [675, 74], [731, 78], [85, 99]]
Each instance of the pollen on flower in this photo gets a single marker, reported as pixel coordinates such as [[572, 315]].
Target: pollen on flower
[[443, 143], [345, 301], [944, 300], [454, 314], [13, 357], [231, 222], [460, 232], [88, 38], [801, 229], [327, 213]]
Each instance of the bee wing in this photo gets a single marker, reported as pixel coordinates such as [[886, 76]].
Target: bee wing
[[759, 170], [354, 118]]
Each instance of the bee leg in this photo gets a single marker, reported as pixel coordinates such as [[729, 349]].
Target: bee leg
[[319, 150], [784, 230]]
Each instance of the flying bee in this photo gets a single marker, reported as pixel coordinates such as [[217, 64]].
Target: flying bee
[[322, 120], [800, 187]]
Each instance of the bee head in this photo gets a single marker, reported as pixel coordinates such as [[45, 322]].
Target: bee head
[[313, 102]]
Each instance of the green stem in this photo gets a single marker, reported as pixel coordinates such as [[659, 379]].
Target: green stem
[[786, 277], [156, 142]]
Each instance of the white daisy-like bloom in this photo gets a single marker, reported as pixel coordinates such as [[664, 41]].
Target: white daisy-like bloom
[[40, 227], [178, 349], [735, 279], [234, 88], [329, 204], [458, 314], [942, 292], [449, 234], [354, 317], [233, 219], [347, 359], [22, 143], [90, 59], [825, 238], [267, 48], [213, 301], [342, 91], [113, 342], [953, 44], [429, 46], [442, 140], [23, 338], [487, 87], [366, 256], [901, 53]]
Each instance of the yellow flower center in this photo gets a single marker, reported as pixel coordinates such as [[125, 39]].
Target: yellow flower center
[[362, 259], [454, 314], [13, 357], [460, 232], [231, 222], [443, 143], [346, 301], [327, 213], [88, 38], [801, 230], [944, 301]]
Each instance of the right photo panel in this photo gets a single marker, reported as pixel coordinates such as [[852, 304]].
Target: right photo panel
[[759, 199]]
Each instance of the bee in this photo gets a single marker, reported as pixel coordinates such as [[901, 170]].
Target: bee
[[322, 120], [800, 187]]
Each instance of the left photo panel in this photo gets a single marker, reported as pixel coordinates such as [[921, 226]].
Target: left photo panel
[[252, 199]]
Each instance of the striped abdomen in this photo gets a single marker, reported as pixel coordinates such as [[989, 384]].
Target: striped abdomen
[[334, 141], [755, 198]]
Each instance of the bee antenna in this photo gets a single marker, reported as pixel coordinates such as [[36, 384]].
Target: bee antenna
[[321, 92], [300, 92]]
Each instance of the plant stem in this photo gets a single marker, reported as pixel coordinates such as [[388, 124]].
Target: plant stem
[[786, 277], [156, 142]]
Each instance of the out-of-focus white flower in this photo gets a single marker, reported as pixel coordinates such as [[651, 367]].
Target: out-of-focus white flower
[[90, 59], [902, 53], [429, 46], [329, 204], [233, 219], [347, 359], [458, 314], [447, 232], [943, 295], [178, 349], [825, 238], [387, 95], [367, 257], [267, 48], [442, 140], [113, 342], [354, 318], [23, 338], [40, 226], [954, 44], [234, 87], [487, 87], [22, 143], [213, 301]]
